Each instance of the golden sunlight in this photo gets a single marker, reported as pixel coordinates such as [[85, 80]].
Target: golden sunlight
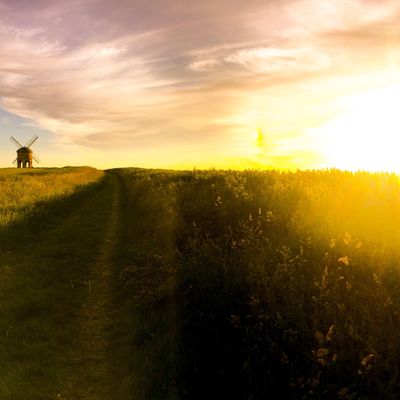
[[366, 133]]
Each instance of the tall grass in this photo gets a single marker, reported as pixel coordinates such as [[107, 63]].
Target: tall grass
[[284, 285]]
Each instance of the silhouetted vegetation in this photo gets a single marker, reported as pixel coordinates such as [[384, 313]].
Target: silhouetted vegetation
[[281, 285]]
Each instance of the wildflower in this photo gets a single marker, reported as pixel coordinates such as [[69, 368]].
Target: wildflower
[[342, 393], [235, 320], [367, 361], [313, 384], [320, 356], [321, 361], [300, 382], [376, 279], [284, 358], [321, 353], [324, 281], [347, 238], [344, 260], [329, 335]]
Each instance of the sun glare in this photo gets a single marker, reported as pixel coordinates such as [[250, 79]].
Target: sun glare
[[366, 134]]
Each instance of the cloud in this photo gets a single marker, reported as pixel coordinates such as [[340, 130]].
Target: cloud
[[204, 65], [141, 74], [270, 60]]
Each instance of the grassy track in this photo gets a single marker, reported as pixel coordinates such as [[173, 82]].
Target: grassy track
[[55, 302], [93, 370]]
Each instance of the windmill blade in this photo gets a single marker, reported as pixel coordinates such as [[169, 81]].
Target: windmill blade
[[15, 141], [15, 161], [33, 140], [36, 159]]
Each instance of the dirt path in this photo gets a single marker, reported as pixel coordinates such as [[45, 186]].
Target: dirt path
[[90, 373]]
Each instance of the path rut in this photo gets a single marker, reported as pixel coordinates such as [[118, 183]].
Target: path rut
[[90, 373]]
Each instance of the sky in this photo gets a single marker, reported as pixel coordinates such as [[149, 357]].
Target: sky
[[288, 84]]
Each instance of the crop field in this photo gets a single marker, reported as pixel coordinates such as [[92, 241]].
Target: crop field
[[157, 284]]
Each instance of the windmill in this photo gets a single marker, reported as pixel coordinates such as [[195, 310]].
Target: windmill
[[24, 153]]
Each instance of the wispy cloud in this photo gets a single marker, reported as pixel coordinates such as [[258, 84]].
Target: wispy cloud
[[270, 60]]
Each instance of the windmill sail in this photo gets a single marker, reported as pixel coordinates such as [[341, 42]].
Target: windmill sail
[[15, 141], [33, 140]]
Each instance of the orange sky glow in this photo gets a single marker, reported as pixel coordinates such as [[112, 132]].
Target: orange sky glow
[[179, 84]]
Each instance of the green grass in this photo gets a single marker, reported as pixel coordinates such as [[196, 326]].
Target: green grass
[[44, 272]]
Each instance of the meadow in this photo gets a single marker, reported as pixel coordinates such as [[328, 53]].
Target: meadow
[[24, 189], [202, 284]]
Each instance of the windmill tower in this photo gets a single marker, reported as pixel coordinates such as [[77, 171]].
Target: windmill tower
[[24, 153]]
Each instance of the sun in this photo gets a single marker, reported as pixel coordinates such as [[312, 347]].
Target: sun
[[366, 133]]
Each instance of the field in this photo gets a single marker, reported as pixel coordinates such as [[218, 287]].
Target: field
[[24, 190], [156, 284]]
